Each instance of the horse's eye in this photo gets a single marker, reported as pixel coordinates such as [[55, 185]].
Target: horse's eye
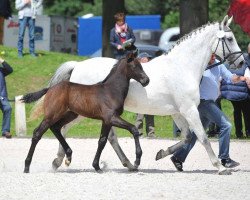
[[230, 39]]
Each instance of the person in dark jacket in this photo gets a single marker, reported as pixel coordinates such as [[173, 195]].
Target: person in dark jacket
[[5, 70], [5, 13], [239, 96], [5, 9], [121, 36]]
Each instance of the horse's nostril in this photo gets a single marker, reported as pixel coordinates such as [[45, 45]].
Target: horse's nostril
[[241, 62]]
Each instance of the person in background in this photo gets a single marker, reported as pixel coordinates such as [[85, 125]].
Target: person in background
[[210, 112], [27, 11], [121, 36], [5, 70], [239, 96], [5, 13], [149, 119], [5, 9]]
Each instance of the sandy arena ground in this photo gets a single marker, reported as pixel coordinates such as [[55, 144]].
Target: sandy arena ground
[[154, 180]]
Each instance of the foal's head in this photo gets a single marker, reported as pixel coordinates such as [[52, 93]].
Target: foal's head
[[134, 69]]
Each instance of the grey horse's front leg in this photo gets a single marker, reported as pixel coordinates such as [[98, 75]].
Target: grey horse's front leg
[[114, 143]]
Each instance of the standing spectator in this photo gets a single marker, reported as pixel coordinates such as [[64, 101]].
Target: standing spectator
[[5, 9], [4, 103], [239, 96], [149, 119], [121, 36], [27, 10], [209, 112], [5, 13]]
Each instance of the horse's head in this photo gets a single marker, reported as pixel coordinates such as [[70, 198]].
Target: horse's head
[[135, 70], [226, 46]]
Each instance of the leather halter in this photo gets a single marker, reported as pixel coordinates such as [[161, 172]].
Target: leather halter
[[224, 44]]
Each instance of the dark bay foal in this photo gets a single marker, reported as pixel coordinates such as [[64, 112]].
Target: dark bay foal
[[104, 101]]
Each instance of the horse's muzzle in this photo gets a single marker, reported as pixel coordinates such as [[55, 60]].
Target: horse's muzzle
[[144, 81]]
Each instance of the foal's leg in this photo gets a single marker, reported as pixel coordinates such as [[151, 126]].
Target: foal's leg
[[119, 122], [123, 158], [101, 144], [56, 129], [57, 162], [37, 135]]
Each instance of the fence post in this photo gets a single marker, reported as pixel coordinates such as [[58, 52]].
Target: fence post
[[20, 117]]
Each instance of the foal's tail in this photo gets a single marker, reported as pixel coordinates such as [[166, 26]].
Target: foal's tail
[[31, 97]]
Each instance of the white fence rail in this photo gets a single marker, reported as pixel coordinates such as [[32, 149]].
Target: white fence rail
[[20, 117]]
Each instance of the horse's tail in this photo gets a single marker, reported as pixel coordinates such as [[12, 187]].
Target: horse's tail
[[34, 96], [62, 73], [37, 110]]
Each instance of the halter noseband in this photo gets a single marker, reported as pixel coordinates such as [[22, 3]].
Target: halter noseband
[[224, 44]]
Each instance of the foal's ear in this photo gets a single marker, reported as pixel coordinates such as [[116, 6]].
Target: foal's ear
[[130, 57]]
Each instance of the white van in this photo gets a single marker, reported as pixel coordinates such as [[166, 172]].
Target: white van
[[169, 37]]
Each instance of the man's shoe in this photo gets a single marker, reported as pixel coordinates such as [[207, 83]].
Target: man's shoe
[[33, 55], [177, 163], [7, 135], [229, 163], [20, 54]]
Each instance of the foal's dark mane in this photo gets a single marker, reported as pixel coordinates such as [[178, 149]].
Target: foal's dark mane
[[113, 70]]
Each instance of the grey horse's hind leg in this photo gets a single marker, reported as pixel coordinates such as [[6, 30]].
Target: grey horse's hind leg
[[57, 162], [114, 143], [183, 126]]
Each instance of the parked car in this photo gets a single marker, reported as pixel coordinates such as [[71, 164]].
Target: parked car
[[169, 37], [150, 49]]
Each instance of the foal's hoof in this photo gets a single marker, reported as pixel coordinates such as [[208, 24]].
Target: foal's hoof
[[133, 169], [225, 172], [160, 155], [67, 162], [98, 170]]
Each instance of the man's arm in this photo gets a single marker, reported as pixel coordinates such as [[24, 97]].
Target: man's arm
[[236, 78], [39, 3], [21, 3]]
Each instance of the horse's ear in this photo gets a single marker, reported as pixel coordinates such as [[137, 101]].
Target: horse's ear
[[130, 57], [229, 21], [224, 21]]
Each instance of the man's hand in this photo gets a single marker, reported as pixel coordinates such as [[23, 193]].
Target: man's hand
[[27, 1], [119, 46], [243, 78], [236, 78]]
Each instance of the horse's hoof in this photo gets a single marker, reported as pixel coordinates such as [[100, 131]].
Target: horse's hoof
[[159, 155], [55, 164], [133, 169], [26, 171], [67, 162], [136, 165], [225, 172], [99, 171]]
